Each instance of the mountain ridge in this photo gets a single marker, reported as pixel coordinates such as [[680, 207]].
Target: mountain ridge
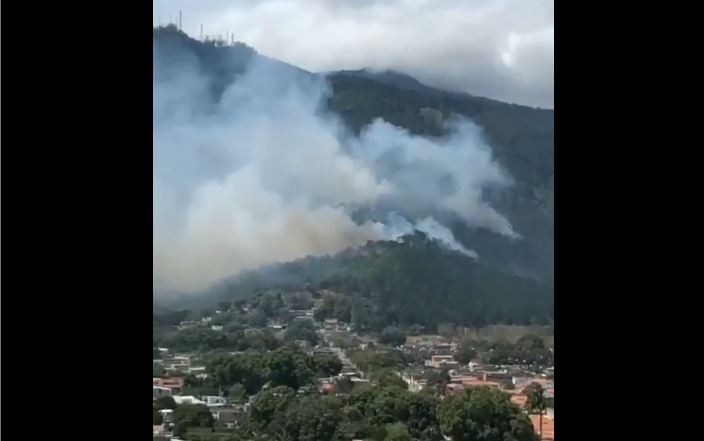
[[521, 139]]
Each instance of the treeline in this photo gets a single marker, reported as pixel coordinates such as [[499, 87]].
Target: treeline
[[244, 374], [379, 414], [421, 283], [412, 283], [529, 350]]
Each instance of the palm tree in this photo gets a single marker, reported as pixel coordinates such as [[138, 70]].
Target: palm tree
[[536, 402]]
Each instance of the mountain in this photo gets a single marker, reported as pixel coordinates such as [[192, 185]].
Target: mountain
[[413, 280], [521, 139]]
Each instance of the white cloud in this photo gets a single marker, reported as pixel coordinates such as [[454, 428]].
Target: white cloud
[[502, 49]]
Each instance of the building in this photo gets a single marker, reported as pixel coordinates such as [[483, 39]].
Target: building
[[230, 416], [216, 327], [173, 383], [360, 383], [415, 383], [441, 361], [214, 401], [548, 428], [187, 399], [167, 416], [159, 391], [331, 325], [455, 388]]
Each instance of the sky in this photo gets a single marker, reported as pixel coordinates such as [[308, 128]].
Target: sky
[[499, 49]]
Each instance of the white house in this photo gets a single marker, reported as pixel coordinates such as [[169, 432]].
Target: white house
[[187, 399], [214, 401]]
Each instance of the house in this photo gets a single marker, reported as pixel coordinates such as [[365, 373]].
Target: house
[[195, 370], [167, 416], [455, 388], [206, 319], [216, 327], [326, 388], [415, 383], [176, 363], [187, 399], [360, 383], [230, 416], [173, 383], [440, 361], [214, 401], [547, 429], [303, 317], [160, 391], [331, 325], [188, 324]]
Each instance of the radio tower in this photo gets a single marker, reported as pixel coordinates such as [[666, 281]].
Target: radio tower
[[179, 20]]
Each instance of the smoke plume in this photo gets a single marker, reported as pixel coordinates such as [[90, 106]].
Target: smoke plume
[[264, 174]]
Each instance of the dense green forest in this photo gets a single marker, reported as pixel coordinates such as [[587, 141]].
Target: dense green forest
[[414, 281]]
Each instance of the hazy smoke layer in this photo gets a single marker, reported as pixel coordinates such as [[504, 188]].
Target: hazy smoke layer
[[264, 175]]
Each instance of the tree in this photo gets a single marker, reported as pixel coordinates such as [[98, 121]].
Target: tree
[[237, 393], [393, 336], [313, 418], [301, 300], [446, 329], [186, 416], [158, 370], [344, 385], [301, 330], [483, 414], [326, 365], [385, 377], [536, 402], [239, 305], [289, 368], [247, 369], [397, 432], [224, 306], [270, 404], [416, 329], [256, 318], [164, 402], [466, 351], [437, 379]]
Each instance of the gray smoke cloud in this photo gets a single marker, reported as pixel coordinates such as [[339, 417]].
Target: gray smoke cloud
[[265, 175]]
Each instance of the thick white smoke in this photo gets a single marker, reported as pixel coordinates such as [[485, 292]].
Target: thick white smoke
[[397, 226], [265, 175]]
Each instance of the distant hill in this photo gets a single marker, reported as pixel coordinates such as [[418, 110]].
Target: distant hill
[[410, 281], [522, 139]]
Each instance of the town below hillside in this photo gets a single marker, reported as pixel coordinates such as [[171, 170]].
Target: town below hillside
[[281, 365]]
